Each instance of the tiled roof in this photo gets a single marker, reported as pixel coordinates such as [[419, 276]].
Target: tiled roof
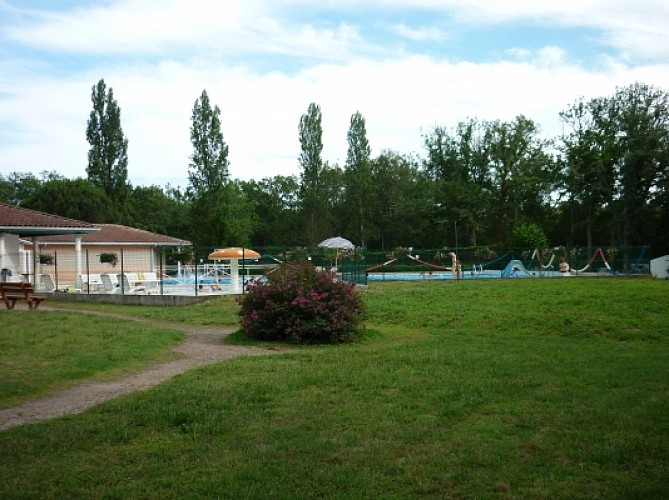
[[114, 233], [23, 221]]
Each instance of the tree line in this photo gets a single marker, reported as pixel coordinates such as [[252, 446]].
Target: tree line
[[603, 181]]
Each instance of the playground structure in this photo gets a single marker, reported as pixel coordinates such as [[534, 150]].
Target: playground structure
[[484, 263]]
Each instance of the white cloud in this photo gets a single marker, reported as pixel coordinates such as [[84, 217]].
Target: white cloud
[[420, 34], [637, 29], [550, 56], [260, 112], [128, 25], [159, 58], [142, 28]]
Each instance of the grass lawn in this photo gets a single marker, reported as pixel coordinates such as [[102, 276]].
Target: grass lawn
[[43, 351], [215, 311], [554, 388]]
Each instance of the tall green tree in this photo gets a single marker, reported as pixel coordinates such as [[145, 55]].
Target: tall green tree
[[237, 215], [333, 188], [359, 197], [617, 163], [153, 209], [641, 115], [521, 171], [404, 193], [275, 204], [207, 173], [458, 163], [108, 154], [182, 210], [6, 191], [589, 176], [18, 187], [74, 198], [314, 202]]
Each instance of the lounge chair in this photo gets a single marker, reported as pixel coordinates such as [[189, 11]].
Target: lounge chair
[[129, 289], [109, 286], [47, 283], [149, 280], [91, 282]]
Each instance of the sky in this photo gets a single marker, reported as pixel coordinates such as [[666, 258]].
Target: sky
[[405, 65]]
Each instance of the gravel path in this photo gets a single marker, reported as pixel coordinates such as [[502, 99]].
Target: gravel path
[[202, 346]]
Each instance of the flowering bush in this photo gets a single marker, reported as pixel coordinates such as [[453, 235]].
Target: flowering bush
[[302, 305]]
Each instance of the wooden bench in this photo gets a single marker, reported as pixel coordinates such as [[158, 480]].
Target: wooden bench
[[11, 292]]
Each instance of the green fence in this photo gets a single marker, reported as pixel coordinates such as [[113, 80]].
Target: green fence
[[613, 260], [192, 272]]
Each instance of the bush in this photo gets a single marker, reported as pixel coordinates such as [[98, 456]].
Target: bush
[[46, 258], [109, 258], [528, 235], [302, 305]]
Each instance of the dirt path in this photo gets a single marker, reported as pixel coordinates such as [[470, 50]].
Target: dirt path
[[202, 346]]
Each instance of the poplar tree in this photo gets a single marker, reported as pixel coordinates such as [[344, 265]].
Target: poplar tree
[[207, 173], [358, 179], [108, 155], [312, 192], [208, 170]]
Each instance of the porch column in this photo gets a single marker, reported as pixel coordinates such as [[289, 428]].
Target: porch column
[[3, 251], [4, 257], [77, 261], [35, 264]]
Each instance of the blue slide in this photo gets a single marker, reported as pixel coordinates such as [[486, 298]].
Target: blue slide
[[514, 265]]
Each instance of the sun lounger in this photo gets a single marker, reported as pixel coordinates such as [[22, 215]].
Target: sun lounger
[[91, 282], [109, 283], [130, 284], [47, 283]]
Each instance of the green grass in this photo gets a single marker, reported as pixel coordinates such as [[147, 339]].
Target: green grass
[[215, 311], [519, 388], [43, 351]]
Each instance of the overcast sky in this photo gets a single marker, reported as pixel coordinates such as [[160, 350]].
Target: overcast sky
[[406, 65]]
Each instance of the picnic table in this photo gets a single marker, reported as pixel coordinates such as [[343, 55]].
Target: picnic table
[[12, 292]]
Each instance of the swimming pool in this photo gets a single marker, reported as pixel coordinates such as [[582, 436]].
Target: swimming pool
[[467, 275]]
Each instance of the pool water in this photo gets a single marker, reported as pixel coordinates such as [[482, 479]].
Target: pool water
[[449, 276]]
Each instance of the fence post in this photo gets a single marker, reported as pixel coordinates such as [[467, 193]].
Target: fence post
[[88, 274], [122, 273], [161, 268], [196, 270], [55, 266]]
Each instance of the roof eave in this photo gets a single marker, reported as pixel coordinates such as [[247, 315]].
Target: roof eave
[[46, 231], [119, 243]]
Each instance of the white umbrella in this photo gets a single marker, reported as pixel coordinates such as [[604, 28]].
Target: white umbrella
[[337, 242]]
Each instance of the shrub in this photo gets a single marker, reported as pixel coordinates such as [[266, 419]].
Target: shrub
[[46, 258], [109, 258], [302, 305], [528, 235]]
